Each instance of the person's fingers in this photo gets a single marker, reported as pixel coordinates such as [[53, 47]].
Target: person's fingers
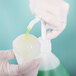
[[54, 31], [32, 72], [7, 54], [35, 72], [50, 27], [52, 34], [12, 70], [29, 66], [25, 69]]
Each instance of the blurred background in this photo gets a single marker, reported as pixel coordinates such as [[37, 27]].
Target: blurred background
[[15, 15]]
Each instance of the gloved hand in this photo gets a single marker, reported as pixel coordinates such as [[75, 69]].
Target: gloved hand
[[29, 68], [53, 13]]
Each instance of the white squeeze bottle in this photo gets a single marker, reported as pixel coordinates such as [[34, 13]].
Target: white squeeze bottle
[[51, 65]]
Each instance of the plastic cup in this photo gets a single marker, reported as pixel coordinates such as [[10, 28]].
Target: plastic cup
[[26, 47]]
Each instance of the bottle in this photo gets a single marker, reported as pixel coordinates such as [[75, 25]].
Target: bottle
[[51, 65]]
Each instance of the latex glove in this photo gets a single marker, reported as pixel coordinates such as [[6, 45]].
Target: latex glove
[[53, 13], [29, 68]]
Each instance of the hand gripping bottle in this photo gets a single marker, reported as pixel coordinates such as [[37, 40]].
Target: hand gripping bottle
[[51, 65]]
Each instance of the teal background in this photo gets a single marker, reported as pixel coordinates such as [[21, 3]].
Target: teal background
[[15, 15]]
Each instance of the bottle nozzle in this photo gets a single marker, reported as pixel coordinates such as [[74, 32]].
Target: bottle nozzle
[[32, 23]]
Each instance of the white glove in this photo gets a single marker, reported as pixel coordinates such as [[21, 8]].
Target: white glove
[[53, 13], [29, 68]]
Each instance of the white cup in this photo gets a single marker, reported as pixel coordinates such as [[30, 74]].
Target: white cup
[[26, 47]]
